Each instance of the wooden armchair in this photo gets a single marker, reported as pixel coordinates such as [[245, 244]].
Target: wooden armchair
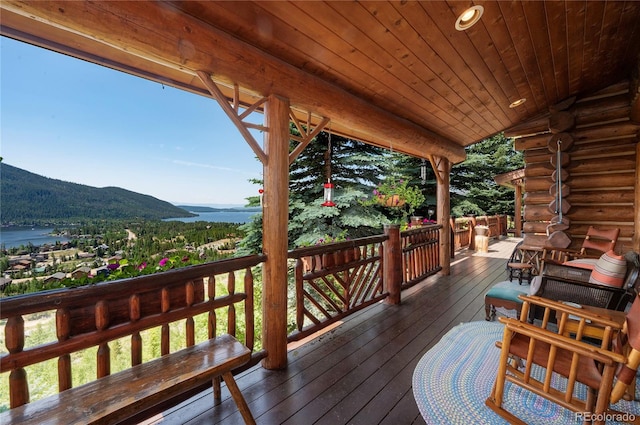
[[566, 283], [596, 242], [588, 376]]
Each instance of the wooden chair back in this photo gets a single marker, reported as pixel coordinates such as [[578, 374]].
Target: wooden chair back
[[601, 240]]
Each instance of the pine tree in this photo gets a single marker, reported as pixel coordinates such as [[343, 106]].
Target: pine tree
[[474, 190], [354, 168]]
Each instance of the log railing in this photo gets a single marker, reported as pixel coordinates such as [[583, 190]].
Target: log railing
[[95, 316], [334, 280], [420, 253], [463, 229], [497, 224], [329, 282]]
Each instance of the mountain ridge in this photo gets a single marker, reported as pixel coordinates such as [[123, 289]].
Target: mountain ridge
[[29, 198]]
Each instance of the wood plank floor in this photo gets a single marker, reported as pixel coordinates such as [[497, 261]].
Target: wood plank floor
[[360, 371]]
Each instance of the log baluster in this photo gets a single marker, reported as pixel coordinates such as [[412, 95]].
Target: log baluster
[[300, 293], [212, 320], [104, 352], [63, 330], [136, 339], [344, 279], [231, 317], [14, 341], [165, 305], [248, 309], [189, 322], [213, 326]]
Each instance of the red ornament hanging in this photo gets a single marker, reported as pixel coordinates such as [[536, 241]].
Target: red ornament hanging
[[328, 186], [328, 195]]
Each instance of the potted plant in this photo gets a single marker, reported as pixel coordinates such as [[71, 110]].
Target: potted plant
[[399, 195]]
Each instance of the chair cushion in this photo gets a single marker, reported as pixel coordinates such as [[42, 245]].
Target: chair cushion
[[583, 263], [507, 291], [609, 270]]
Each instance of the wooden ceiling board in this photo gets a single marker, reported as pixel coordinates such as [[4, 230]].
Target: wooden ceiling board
[[447, 85], [593, 28], [377, 44], [516, 21], [349, 67], [456, 46], [428, 84], [429, 67], [267, 30], [486, 41], [575, 12], [538, 29], [556, 18], [502, 39], [375, 61]]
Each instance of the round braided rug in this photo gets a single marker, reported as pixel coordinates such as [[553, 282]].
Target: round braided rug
[[454, 378]]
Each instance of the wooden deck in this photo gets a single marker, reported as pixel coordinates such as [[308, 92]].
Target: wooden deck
[[360, 371]]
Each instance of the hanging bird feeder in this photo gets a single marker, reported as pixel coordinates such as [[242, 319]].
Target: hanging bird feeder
[[328, 195], [328, 186]]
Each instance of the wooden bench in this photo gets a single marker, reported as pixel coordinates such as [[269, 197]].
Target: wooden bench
[[116, 397]]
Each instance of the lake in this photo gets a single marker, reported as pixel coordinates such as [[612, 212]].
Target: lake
[[18, 235], [218, 217]]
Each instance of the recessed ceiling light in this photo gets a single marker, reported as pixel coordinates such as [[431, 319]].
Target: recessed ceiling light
[[469, 17], [517, 103]]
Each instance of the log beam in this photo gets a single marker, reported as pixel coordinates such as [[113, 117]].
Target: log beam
[[233, 114], [198, 46]]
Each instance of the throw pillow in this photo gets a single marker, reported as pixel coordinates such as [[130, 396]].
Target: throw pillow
[[609, 270]]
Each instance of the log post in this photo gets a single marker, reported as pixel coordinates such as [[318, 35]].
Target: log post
[[517, 214], [443, 169], [392, 264], [636, 204], [274, 230]]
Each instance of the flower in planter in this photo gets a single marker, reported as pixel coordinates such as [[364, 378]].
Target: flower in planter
[[397, 194]]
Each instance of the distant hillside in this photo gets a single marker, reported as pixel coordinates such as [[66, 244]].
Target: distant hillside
[[27, 198]]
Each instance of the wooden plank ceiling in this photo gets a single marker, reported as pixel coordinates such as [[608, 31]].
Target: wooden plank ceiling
[[394, 74]]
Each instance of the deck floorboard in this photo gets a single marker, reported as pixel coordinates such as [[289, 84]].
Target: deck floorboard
[[359, 371]]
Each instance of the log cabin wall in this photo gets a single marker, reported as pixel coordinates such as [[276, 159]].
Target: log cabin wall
[[599, 173]]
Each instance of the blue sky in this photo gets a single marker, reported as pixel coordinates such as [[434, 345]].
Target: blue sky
[[71, 120]]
